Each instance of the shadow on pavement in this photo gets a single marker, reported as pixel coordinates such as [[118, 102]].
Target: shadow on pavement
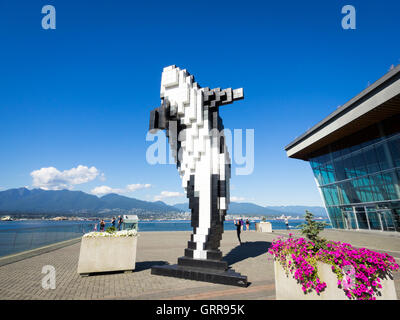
[[139, 266], [247, 250], [144, 265]]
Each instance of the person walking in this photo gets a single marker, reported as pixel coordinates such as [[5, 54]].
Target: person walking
[[287, 223], [113, 222], [241, 223], [120, 221], [238, 229], [247, 224]]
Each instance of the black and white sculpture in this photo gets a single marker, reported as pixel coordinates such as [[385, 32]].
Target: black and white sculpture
[[190, 116]]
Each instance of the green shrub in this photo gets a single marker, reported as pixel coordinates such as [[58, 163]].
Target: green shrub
[[311, 230], [111, 229]]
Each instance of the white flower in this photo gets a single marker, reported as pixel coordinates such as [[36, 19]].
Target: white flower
[[123, 233]]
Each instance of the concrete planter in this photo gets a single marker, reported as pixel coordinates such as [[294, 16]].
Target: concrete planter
[[264, 227], [287, 287], [101, 254]]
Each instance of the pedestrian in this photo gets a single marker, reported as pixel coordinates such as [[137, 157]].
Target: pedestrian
[[247, 224], [102, 225], [238, 228], [120, 221], [287, 223], [113, 222], [241, 223]]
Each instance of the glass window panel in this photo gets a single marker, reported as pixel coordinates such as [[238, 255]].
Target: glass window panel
[[327, 196], [365, 190], [362, 219], [336, 217], [390, 180], [349, 168], [313, 164], [332, 217], [364, 144], [387, 220], [382, 153], [349, 219], [327, 174], [353, 148], [371, 160], [373, 219], [318, 176], [325, 179], [394, 146], [339, 170], [378, 187], [345, 151], [396, 218], [334, 195], [330, 172], [343, 196], [350, 192], [336, 154], [330, 195], [359, 189], [356, 188], [324, 158], [359, 164]]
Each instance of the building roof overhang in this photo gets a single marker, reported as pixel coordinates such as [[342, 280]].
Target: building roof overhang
[[376, 103]]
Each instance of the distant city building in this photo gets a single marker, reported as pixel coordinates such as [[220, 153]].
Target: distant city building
[[355, 156]]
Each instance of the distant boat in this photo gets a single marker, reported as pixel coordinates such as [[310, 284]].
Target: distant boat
[[59, 218], [6, 218]]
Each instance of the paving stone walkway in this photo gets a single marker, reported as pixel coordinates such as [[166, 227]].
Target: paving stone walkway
[[22, 279]]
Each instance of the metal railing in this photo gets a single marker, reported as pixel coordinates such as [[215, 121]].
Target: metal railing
[[15, 240]]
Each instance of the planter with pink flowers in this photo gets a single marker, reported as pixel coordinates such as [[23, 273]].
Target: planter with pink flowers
[[331, 271]]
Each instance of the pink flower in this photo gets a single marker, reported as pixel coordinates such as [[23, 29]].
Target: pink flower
[[359, 279]]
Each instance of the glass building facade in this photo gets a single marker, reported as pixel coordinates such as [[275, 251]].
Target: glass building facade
[[359, 178]]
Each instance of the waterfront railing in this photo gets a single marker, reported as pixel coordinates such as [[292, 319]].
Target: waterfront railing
[[15, 240]]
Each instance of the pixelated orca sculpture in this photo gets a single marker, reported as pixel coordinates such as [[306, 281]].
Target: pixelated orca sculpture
[[190, 116]]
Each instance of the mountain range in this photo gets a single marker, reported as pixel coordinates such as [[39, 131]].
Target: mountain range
[[39, 201], [23, 200]]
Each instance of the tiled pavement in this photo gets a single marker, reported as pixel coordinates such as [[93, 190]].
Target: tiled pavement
[[22, 279]]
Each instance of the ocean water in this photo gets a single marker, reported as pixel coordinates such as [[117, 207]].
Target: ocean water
[[18, 236], [184, 225]]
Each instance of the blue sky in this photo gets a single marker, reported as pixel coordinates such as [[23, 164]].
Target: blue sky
[[81, 95]]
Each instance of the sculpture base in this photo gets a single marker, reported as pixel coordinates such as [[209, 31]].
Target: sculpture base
[[228, 277]]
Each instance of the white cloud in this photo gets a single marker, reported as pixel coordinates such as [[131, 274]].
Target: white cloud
[[168, 194], [102, 190], [137, 186], [52, 179], [236, 199]]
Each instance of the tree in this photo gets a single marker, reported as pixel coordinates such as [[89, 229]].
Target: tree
[[312, 228]]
